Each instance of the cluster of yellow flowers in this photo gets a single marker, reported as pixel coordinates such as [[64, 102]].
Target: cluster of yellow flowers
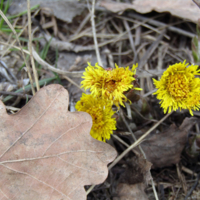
[[107, 87], [101, 113], [178, 88]]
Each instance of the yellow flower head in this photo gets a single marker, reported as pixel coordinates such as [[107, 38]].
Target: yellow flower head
[[101, 113], [109, 84], [179, 88]]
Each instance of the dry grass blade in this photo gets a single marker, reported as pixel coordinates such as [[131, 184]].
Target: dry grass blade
[[181, 178], [197, 2], [163, 25], [141, 150], [12, 108], [14, 41], [27, 66], [30, 45], [149, 93], [16, 94], [74, 83], [150, 50], [136, 143], [131, 40], [94, 34], [193, 187], [81, 26], [48, 66], [124, 143]]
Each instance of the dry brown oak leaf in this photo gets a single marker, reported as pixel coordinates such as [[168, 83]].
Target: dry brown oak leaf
[[126, 191], [165, 148], [185, 9], [47, 153], [132, 181]]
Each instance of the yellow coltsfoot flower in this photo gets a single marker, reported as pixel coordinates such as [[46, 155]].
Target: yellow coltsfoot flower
[[101, 113], [109, 84], [179, 88]]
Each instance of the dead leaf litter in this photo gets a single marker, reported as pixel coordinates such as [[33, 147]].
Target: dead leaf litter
[[47, 151]]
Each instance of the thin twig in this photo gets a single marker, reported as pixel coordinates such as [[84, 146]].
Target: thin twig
[[30, 46], [136, 143], [94, 34], [129, 129], [163, 25], [13, 42], [27, 66], [134, 109], [124, 143], [83, 23], [193, 187], [88, 30], [74, 83], [64, 45], [19, 34], [52, 68], [6, 72], [12, 108], [16, 94], [181, 177], [46, 65], [142, 151], [149, 93], [197, 2], [132, 44], [150, 50], [188, 171], [14, 46]]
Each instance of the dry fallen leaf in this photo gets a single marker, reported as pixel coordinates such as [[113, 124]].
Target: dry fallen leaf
[[64, 10], [185, 9], [47, 152], [134, 179], [126, 192], [164, 149]]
